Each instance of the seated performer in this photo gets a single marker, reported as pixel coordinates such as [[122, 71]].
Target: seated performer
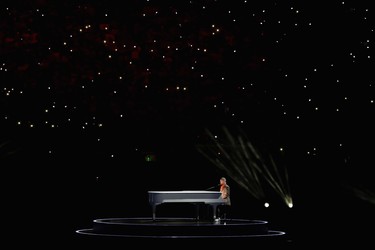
[[225, 195]]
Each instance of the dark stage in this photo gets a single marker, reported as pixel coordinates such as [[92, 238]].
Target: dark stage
[[100, 105], [333, 221], [73, 214], [183, 230]]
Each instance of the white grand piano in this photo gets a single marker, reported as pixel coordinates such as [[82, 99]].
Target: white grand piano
[[212, 198]]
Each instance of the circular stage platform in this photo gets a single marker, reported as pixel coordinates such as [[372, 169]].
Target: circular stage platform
[[146, 229]]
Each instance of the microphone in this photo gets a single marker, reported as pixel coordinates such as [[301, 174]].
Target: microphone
[[213, 187]]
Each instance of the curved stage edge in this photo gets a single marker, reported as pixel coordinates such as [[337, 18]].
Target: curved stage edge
[[169, 231]]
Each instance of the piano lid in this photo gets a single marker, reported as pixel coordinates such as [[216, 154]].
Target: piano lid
[[185, 191]]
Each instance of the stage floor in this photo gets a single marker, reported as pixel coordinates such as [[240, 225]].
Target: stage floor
[[172, 231]]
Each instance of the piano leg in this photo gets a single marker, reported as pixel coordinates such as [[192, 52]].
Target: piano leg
[[197, 211], [153, 212]]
